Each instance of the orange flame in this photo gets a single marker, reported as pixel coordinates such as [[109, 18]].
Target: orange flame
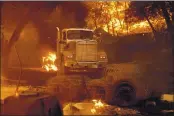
[[49, 62], [113, 13], [97, 106]]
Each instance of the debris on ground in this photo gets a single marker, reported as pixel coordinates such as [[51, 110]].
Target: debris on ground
[[96, 107]]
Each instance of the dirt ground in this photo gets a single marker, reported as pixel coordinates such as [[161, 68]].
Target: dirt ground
[[86, 107], [41, 78]]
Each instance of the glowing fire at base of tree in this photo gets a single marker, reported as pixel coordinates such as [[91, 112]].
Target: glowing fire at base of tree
[[49, 62], [98, 105]]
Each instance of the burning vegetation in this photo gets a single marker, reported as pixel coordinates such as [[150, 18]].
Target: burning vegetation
[[97, 106], [118, 18], [49, 62]]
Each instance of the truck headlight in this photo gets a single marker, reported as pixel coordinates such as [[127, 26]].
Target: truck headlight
[[102, 57], [69, 56]]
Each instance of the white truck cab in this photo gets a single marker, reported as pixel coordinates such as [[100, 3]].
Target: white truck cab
[[79, 52]]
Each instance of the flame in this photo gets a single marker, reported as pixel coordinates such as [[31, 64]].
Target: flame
[[113, 13], [93, 111], [98, 105], [16, 94], [49, 62]]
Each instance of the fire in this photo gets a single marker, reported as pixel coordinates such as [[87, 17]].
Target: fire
[[112, 19], [98, 105], [49, 62]]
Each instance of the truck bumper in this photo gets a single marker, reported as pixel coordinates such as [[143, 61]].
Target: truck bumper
[[85, 66]]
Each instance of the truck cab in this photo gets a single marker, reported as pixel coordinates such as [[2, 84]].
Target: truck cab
[[79, 51]]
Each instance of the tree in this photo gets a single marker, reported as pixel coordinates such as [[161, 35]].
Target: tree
[[38, 12], [27, 15], [167, 8], [32, 11], [141, 11], [94, 18], [146, 10], [108, 15]]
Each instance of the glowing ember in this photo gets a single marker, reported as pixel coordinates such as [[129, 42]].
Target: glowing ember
[[17, 94], [98, 105], [49, 62], [93, 111]]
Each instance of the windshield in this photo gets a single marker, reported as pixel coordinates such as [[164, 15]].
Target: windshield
[[79, 34]]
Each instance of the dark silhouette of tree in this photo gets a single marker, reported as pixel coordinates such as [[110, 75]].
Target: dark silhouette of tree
[[38, 12], [140, 10], [143, 10], [33, 11]]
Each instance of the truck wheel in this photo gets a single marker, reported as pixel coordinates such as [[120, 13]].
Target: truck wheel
[[55, 111], [124, 96]]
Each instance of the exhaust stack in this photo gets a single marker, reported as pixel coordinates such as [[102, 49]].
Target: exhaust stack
[[58, 49]]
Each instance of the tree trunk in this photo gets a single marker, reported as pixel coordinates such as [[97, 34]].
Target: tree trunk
[[127, 28], [13, 39], [150, 24], [108, 27], [170, 26], [95, 23], [15, 36], [113, 29], [118, 16], [31, 13]]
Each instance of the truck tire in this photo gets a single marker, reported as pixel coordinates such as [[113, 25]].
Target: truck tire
[[124, 95], [55, 111]]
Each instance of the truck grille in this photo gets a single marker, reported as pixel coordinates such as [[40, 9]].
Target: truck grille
[[86, 51]]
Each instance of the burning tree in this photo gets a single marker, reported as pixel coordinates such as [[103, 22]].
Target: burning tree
[[120, 18], [157, 14], [108, 15]]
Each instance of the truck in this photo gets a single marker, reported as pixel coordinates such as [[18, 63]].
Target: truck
[[123, 84], [78, 51], [137, 82]]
